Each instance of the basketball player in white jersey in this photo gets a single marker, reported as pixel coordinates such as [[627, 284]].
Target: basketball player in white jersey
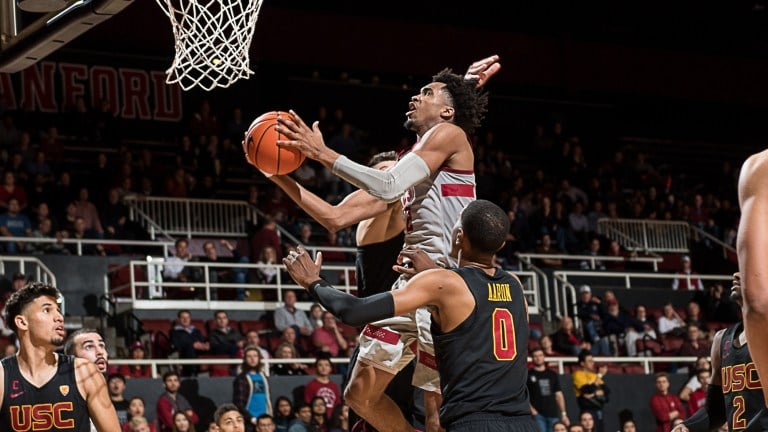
[[434, 181]]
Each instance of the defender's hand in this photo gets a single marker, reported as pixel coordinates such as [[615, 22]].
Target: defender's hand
[[483, 70], [301, 267]]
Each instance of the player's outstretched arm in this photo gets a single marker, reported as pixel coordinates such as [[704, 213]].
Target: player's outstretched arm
[[93, 386], [355, 207], [712, 415]]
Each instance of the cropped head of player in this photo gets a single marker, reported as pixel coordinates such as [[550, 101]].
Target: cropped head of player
[[481, 224]]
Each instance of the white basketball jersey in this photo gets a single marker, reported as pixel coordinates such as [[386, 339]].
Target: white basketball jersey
[[431, 209]]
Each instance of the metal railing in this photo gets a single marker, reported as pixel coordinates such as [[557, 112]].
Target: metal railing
[[648, 235], [153, 293], [163, 246], [646, 362], [592, 259], [190, 217], [39, 271], [564, 289]]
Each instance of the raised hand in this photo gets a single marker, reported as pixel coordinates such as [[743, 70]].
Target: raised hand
[[483, 70]]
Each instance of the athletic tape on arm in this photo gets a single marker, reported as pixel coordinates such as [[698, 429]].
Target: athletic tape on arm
[[353, 310], [385, 185]]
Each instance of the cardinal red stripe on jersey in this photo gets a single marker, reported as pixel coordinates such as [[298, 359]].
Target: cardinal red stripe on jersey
[[460, 190], [381, 334]]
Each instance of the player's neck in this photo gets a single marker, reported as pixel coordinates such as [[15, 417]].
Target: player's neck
[[484, 263], [35, 362]]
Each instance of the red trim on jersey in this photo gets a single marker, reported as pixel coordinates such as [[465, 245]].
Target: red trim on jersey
[[460, 190], [456, 171], [427, 360], [382, 334]]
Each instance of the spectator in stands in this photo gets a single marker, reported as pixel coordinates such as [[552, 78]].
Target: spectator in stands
[[171, 401], [320, 414], [116, 388], [182, 422], [289, 336], [14, 224], [252, 338], [562, 427], [188, 340], [686, 278], [265, 423], [267, 235], [114, 217], [545, 343], [547, 248], [11, 189], [328, 338], [665, 406], [340, 419], [670, 322], [80, 232], [698, 397], [567, 339], [266, 274], [578, 228], [223, 274], [64, 193], [547, 400], [316, 315], [46, 231], [594, 251], [175, 269], [88, 211], [204, 121], [138, 424], [303, 420], [591, 312], [136, 409], [287, 351], [694, 345], [587, 421], [37, 193], [615, 250], [693, 317], [617, 323], [590, 389], [323, 386], [223, 338], [283, 413], [179, 184], [693, 384], [251, 388], [137, 352], [290, 316], [648, 330]]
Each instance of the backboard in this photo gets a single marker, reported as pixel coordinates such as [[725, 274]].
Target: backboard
[[26, 38]]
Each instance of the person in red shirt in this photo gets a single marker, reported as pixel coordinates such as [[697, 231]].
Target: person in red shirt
[[698, 397], [328, 337], [666, 406], [136, 371], [323, 387]]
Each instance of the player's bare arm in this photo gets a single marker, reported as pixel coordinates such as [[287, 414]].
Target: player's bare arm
[[752, 253], [445, 145], [93, 387], [2, 386], [355, 207]]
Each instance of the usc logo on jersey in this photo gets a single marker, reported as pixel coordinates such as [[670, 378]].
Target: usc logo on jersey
[[738, 377], [41, 416]]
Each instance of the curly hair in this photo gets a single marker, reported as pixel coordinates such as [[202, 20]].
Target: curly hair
[[469, 103], [21, 298]]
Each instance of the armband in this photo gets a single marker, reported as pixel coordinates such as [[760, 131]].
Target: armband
[[386, 185]]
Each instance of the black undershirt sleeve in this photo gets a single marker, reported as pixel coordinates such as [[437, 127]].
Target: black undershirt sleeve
[[353, 310]]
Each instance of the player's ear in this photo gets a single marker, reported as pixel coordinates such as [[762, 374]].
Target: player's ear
[[458, 236], [21, 322], [447, 113]]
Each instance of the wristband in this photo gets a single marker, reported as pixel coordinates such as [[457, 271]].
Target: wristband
[[313, 286]]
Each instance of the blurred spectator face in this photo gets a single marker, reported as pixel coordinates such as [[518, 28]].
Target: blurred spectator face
[[185, 319], [9, 179], [640, 312], [181, 422], [252, 358], [212, 427], [304, 414], [137, 353], [538, 357], [79, 225], [704, 376], [693, 309], [116, 386], [222, 321], [662, 384], [318, 406], [136, 407], [613, 309], [693, 333], [289, 298], [566, 323], [629, 427], [13, 206], [289, 335], [172, 383], [284, 408], [252, 338], [702, 363], [10, 350], [546, 343], [285, 352], [587, 421], [324, 368], [560, 428], [83, 194], [181, 249], [210, 251]]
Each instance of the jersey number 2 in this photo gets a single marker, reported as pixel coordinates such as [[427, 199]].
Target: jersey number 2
[[504, 347], [738, 422]]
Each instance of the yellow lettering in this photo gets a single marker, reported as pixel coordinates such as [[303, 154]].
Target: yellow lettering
[[499, 292]]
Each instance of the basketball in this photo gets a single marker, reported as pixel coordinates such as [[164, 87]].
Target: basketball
[[261, 146]]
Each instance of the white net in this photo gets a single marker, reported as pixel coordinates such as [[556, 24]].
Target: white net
[[212, 41]]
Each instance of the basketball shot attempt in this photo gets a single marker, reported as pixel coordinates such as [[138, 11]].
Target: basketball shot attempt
[[261, 148]]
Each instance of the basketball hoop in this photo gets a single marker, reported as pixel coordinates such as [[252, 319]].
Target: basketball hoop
[[212, 41]]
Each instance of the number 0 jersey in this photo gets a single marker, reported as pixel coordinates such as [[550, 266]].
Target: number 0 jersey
[[744, 403], [56, 406], [482, 362]]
